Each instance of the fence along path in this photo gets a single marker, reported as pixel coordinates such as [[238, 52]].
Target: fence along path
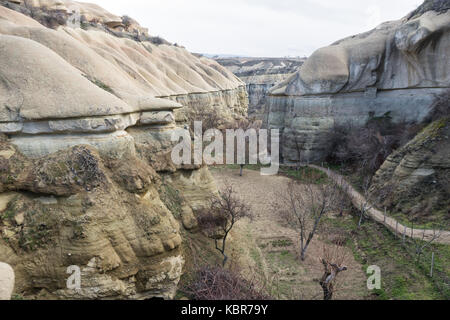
[[358, 200]]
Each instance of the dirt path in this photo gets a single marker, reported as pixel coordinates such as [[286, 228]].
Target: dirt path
[[268, 245], [392, 224]]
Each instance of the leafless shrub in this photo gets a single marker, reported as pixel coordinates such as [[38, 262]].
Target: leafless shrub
[[210, 118], [334, 259], [218, 283], [245, 124], [440, 107], [127, 21], [222, 215], [85, 167], [365, 206], [303, 206], [366, 148], [299, 144], [424, 242], [158, 41]]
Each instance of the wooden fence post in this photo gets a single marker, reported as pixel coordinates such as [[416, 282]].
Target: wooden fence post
[[432, 265], [404, 236]]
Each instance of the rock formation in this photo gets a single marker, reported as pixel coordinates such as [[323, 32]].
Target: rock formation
[[260, 74], [6, 281], [399, 67], [415, 180], [133, 71], [86, 120]]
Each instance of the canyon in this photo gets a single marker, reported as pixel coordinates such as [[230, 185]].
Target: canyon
[[86, 116], [90, 101], [260, 75]]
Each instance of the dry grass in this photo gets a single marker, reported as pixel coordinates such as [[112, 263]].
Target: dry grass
[[270, 246]]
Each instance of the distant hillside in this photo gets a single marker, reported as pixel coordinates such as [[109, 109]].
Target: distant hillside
[[260, 74]]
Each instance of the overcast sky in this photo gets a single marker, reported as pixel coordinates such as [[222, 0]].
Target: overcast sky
[[263, 28]]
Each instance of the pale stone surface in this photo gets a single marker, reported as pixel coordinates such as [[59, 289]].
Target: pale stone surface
[[107, 75], [87, 134], [311, 118], [6, 281], [162, 117], [399, 67], [33, 76], [115, 145], [230, 104]]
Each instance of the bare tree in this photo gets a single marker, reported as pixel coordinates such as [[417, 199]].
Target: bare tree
[[333, 258], [365, 202], [366, 148], [305, 205], [299, 146], [224, 212], [246, 124], [423, 243]]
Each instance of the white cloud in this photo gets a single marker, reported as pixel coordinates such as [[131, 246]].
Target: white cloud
[[258, 27]]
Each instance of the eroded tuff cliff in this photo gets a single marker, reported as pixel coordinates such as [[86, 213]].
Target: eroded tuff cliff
[[399, 67], [120, 57], [85, 152], [415, 180], [260, 74]]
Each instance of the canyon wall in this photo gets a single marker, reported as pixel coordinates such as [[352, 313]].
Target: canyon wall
[[415, 180], [397, 68], [260, 74], [86, 123]]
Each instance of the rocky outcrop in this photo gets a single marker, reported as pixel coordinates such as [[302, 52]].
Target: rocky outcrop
[[399, 68], [260, 74], [6, 281], [53, 14], [135, 72], [87, 119], [77, 208], [415, 180]]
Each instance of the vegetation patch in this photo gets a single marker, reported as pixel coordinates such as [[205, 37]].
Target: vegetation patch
[[282, 243], [100, 84], [172, 199], [404, 276]]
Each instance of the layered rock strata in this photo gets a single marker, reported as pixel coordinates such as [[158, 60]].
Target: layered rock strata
[[415, 180], [133, 71], [260, 75], [399, 67], [85, 156]]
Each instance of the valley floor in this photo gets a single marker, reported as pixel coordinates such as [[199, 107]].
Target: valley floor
[[268, 246]]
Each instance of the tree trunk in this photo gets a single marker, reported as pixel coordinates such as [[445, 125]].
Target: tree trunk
[[303, 255], [360, 220], [327, 292]]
